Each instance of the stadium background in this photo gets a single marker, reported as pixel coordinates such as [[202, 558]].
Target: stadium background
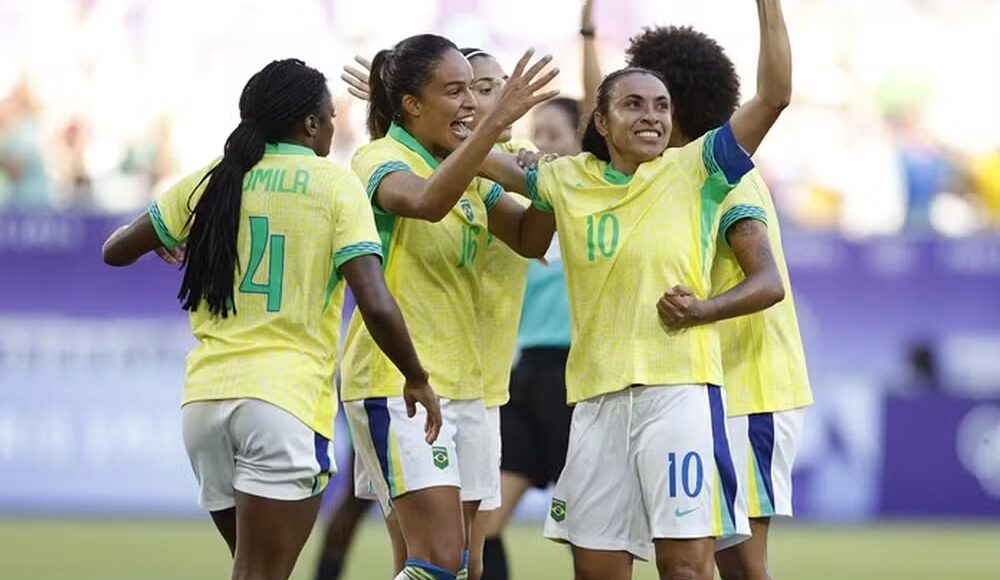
[[886, 172]]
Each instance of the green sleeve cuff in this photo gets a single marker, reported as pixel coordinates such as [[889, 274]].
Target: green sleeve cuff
[[531, 181], [493, 197], [160, 226], [737, 213], [385, 169], [348, 253]]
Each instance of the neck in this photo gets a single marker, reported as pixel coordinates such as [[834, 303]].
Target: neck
[[297, 140], [623, 165], [678, 139], [421, 138]]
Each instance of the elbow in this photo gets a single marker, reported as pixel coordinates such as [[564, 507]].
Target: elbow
[[775, 292], [429, 212], [111, 257]]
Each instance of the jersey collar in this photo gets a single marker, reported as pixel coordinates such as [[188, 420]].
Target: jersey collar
[[288, 149], [399, 134], [615, 177]]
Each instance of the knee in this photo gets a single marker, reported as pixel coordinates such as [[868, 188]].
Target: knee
[[447, 551], [685, 570], [744, 571]]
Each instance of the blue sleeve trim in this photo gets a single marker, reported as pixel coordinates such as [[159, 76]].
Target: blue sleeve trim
[[723, 154], [531, 182], [493, 197], [737, 213], [385, 169]]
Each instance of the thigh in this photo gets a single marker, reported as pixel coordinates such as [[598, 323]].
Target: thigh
[[270, 534], [225, 522], [476, 452], [596, 504], [211, 450], [391, 449], [493, 452], [278, 456], [686, 558], [682, 455], [601, 564], [747, 560]]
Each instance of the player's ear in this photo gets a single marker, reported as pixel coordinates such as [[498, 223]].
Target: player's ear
[[411, 105], [311, 125], [601, 124]]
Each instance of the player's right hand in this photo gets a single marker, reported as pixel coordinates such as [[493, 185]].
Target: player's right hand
[[357, 79], [172, 256], [415, 392], [521, 91], [527, 159]]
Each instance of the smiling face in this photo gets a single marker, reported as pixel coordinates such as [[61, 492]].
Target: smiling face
[[637, 124], [441, 114], [488, 78]]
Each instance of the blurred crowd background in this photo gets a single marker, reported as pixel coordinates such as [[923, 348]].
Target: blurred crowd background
[[893, 125]]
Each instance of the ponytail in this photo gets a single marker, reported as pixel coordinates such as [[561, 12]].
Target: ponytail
[[381, 112], [210, 263]]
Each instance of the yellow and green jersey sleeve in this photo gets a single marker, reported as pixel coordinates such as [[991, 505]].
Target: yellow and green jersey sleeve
[[762, 354]]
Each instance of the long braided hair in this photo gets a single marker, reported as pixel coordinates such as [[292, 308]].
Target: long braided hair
[[273, 102]]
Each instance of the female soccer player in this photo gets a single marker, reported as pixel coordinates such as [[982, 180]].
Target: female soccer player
[[431, 210], [271, 229], [767, 385], [502, 283], [503, 277], [649, 460]]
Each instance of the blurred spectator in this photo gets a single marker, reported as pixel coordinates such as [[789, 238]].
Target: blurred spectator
[[23, 180], [927, 171]]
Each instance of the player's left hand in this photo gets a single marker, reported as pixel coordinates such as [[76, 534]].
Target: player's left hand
[[680, 308], [356, 79], [172, 256]]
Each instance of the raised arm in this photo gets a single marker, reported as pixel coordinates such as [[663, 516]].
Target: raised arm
[[591, 63], [754, 119]]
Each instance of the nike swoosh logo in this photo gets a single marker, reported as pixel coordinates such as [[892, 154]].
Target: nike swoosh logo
[[680, 514]]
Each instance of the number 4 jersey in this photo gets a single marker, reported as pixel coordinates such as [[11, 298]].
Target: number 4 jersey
[[301, 219], [627, 240]]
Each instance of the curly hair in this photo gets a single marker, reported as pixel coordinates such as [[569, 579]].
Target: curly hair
[[704, 87]]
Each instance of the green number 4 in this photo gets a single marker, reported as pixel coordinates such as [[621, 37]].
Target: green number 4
[[260, 242]]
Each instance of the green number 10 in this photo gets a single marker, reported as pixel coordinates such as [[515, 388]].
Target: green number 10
[[601, 243], [261, 241]]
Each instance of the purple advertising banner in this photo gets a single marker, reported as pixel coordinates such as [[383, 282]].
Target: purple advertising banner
[[942, 457]]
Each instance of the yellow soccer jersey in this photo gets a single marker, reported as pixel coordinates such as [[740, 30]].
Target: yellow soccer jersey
[[433, 270], [301, 219], [624, 242], [505, 273], [762, 355]]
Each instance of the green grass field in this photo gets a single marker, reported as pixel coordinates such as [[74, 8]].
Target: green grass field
[[162, 550]]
